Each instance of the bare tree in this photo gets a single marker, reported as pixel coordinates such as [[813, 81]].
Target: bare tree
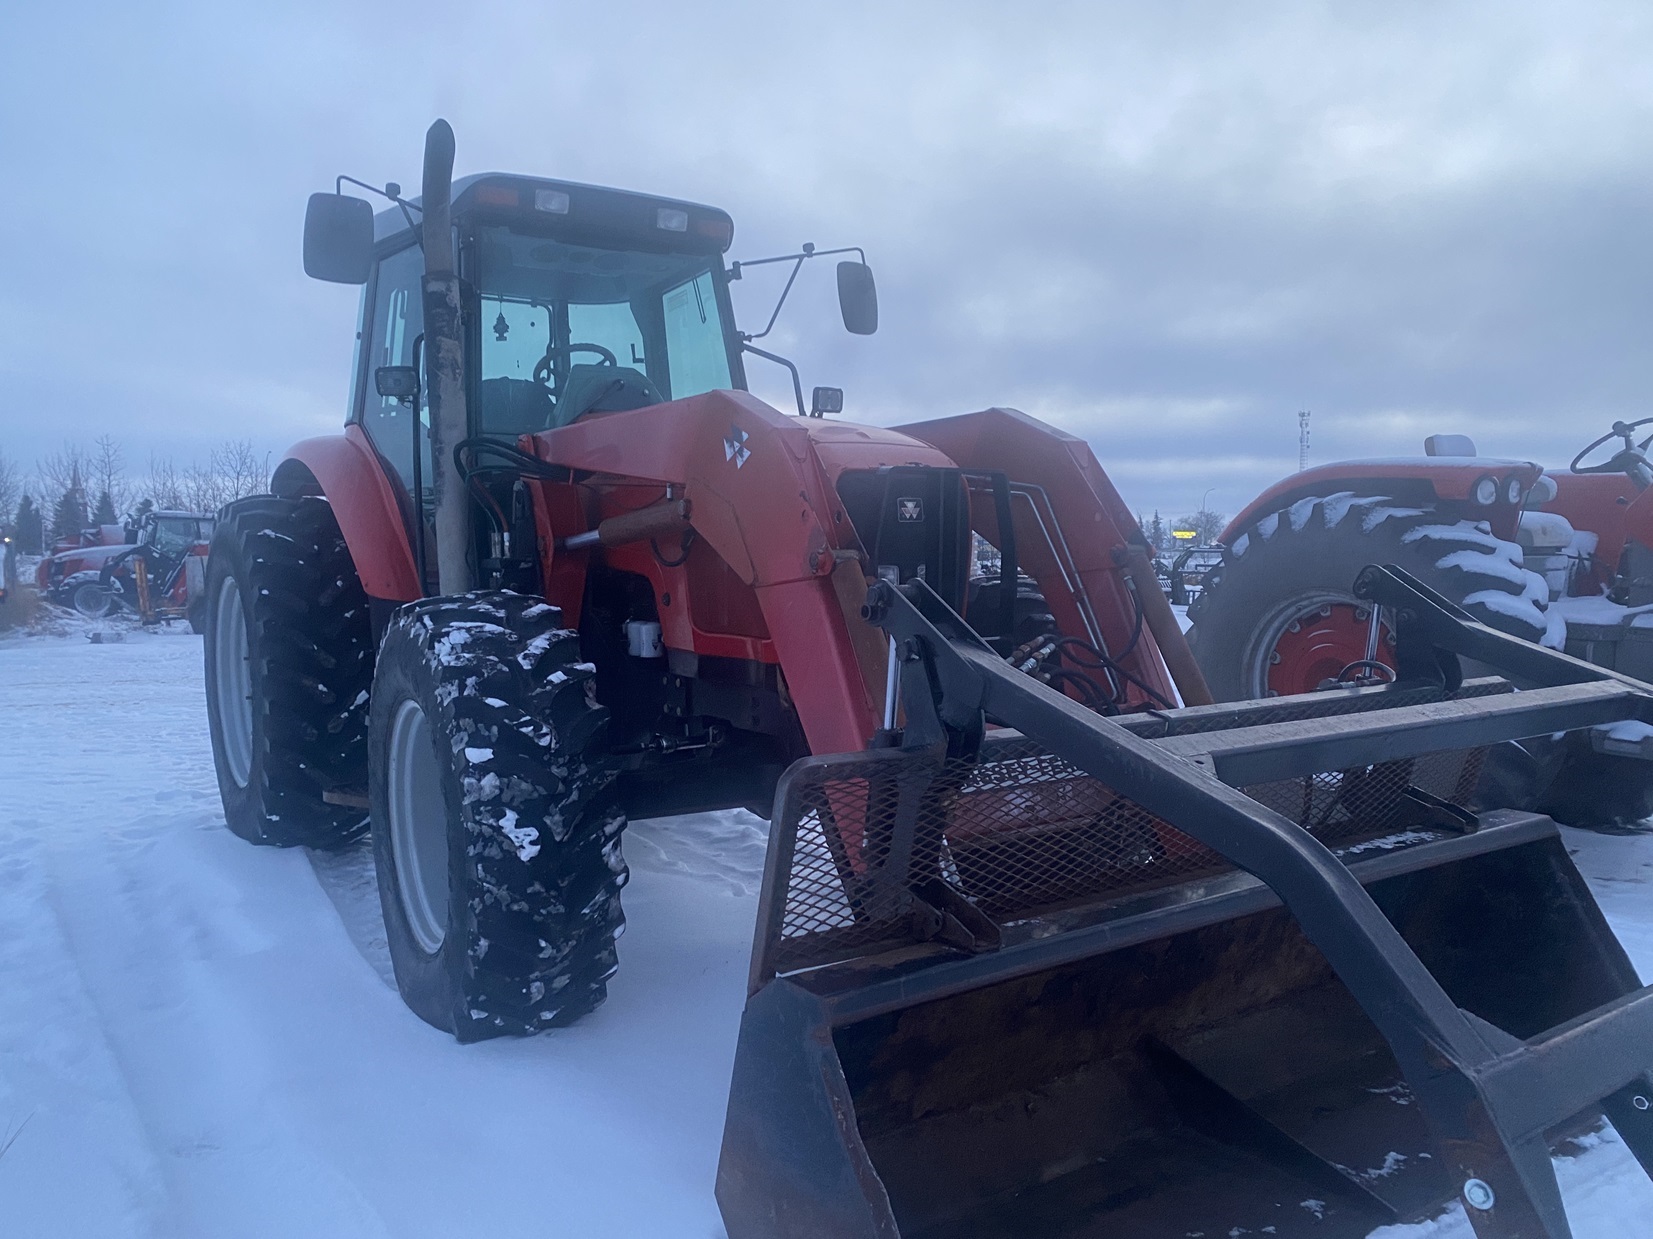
[[11, 488], [64, 470], [106, 473], [202, 488], [240, 470], [164, 487], [1205, 523]]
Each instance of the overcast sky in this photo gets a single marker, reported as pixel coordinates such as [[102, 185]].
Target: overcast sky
[[1166, 227]]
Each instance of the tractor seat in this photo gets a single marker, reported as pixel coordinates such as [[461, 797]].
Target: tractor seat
[[512, 407], [603, 389]]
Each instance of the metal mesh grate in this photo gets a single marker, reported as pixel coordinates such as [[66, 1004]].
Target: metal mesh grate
[[882, 850]]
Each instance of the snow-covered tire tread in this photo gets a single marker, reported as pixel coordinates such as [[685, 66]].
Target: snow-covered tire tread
[[534, 894], [1321, 543]]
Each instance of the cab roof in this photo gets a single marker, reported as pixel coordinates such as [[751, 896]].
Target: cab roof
[[595, 214]]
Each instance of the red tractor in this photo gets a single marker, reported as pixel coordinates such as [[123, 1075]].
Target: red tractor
[[155, 569], [77, 561], [1030, 932], [1562, 559]]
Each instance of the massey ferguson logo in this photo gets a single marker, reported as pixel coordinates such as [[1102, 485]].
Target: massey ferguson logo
[[909, 511], [734, 446]]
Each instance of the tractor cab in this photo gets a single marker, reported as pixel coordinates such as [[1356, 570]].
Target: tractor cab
[[574, 300], [579, 299]]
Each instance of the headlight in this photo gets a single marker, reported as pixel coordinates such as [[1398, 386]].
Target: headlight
[[1486, 491], [1512, 491]]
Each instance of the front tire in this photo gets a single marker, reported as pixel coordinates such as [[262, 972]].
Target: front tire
[[94, 600], [289, 661], [496, 834]]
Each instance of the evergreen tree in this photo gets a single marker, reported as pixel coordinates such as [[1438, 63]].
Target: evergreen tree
[[1156, 532], [70, 515], [104, 513], [31, 530]]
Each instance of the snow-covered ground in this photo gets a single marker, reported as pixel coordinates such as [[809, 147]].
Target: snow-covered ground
[[200, 1039]]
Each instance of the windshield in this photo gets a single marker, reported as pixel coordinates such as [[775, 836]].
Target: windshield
[[173, 536], [568, 330]]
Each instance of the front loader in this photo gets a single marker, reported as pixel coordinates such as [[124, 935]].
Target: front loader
[[1047, 945]]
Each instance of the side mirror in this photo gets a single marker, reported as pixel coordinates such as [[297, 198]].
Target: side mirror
[[338, 238], [857, 298], [397, 382]]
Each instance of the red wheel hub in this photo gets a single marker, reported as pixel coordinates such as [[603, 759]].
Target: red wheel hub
[[1317, 644]]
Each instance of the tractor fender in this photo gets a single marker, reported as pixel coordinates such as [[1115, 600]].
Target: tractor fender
[[345, 470], [1406, 479]]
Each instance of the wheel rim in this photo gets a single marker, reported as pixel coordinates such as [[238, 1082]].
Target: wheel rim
[[418, 827], [1309, 640], [93, 601], [232, 679]]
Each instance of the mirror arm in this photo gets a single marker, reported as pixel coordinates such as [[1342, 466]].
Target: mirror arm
[[392, 191], [809, 251], [796, 267], [797, 383], [797, 261]]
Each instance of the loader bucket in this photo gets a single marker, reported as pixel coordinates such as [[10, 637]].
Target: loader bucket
[[1003, 997]]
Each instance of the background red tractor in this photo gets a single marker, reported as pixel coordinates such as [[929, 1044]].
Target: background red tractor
[[1557, 558], [77, 561], [561, 567], [154, 568]]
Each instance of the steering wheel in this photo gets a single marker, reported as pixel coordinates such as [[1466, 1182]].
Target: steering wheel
[[542, 370], [1630, 458]]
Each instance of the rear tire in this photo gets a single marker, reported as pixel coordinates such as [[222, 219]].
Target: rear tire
[[496, 826], [1292, 563], [289, 661]]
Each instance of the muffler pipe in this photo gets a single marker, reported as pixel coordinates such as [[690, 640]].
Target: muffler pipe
[[445, 366]]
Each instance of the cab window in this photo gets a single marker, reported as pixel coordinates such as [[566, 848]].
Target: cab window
[[695, 344], [569, 329], [398, 320]]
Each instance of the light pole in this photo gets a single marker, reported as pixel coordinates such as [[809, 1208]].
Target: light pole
[[1202, 514]]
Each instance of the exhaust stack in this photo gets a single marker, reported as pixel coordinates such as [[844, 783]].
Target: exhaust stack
[[445, 365]]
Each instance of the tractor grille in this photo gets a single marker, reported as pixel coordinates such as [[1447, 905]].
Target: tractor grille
[[1019, 833]]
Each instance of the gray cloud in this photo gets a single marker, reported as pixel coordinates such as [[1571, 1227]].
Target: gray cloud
[[1164, 227]]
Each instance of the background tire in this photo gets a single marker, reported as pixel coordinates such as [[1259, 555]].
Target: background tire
[[520, 936], [289, 662], [1293, 563], [93, 600]]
